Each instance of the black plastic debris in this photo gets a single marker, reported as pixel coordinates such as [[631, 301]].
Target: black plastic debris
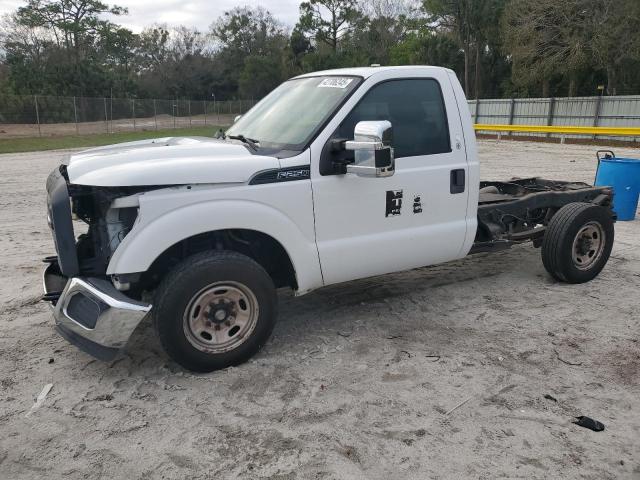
[[549, 397], [589, 423]]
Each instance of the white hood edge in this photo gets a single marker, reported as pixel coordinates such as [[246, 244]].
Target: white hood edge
[[167, 161]]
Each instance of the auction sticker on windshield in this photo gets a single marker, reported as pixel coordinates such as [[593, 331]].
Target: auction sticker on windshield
[[335, 82]]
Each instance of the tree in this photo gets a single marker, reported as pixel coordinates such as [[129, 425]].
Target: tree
[[469, 21], [496, 47], [299, 46], [242, 33], [25, 54], [487, 37], [613, 45], [66, 47], [382, 24], [247, 31], [328, 21], [455, 16], [73, 23], [425, 47], [259, 76], [175, 62], [548, 38]]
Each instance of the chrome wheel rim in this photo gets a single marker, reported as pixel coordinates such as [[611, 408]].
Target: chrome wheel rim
[[588, 245], [220, 317]]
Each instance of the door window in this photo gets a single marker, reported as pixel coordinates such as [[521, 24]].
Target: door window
[[414, 107]]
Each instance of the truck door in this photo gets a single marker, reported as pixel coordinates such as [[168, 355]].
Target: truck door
[[368, 226]]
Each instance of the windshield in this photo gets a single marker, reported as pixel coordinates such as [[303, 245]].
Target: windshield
[[290, 115]]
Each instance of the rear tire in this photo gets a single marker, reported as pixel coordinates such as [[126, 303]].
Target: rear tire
[[214, 310], [578, 242]]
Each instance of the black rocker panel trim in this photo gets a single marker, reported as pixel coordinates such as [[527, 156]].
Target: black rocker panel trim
[[278, 175]]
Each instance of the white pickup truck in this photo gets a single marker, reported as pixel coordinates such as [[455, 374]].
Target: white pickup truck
[[334, 176]]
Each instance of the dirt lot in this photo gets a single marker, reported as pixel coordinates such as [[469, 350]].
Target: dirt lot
[[357, 380], [18, 130]]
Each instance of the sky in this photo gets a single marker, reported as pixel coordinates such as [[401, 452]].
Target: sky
[[191, 13]]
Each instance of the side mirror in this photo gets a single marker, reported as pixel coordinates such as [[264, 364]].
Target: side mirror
[[373, 152], [237, 118]]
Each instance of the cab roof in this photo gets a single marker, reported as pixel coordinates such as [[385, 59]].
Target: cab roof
[[366, 72]]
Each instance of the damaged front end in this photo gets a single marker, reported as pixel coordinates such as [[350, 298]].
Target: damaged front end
[[89, 311]]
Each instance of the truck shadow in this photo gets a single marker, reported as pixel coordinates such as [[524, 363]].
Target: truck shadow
[[406, 283], [379, 302]]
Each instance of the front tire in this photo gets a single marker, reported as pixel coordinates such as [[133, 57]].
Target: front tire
[[214, 310], [578, 242]]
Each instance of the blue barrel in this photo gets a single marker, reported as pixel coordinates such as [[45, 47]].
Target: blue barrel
[[623, 174]]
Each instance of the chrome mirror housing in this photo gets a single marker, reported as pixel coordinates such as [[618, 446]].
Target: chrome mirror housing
[[373, 151]]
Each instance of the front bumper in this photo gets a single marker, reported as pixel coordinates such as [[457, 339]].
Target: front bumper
[[90, 313]]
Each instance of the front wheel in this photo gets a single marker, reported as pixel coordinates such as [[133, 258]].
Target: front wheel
[[215, 310], [578, 242]]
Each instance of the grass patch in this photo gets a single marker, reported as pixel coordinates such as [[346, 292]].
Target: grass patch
[[33, 144]]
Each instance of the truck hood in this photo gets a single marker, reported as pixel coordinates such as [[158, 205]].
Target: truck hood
[[167, 161]]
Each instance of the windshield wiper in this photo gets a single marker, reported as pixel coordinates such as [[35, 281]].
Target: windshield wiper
[[249, 141]]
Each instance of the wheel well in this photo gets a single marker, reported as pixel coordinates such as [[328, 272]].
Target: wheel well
[[262, 248]]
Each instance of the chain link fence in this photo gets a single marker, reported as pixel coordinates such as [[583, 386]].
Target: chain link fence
[[38, 115], [35, 115]]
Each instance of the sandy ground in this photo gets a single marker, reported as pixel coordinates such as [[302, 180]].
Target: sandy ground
[[358, 379]]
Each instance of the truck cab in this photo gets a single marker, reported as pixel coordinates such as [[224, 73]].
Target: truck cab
[[334, 176]]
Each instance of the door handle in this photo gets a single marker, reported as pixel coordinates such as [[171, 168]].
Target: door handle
[[457, 184]]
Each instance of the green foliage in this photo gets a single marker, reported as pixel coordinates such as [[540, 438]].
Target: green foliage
[[259, 76], [574, 45], [247, 31], [73, 24], [65, 47], [328, 21], [249, 39], [496, 47], [615, 43], [428, 48]]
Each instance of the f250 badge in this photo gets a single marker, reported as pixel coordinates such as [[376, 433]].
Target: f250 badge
[[293, 174], [394, 203]]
